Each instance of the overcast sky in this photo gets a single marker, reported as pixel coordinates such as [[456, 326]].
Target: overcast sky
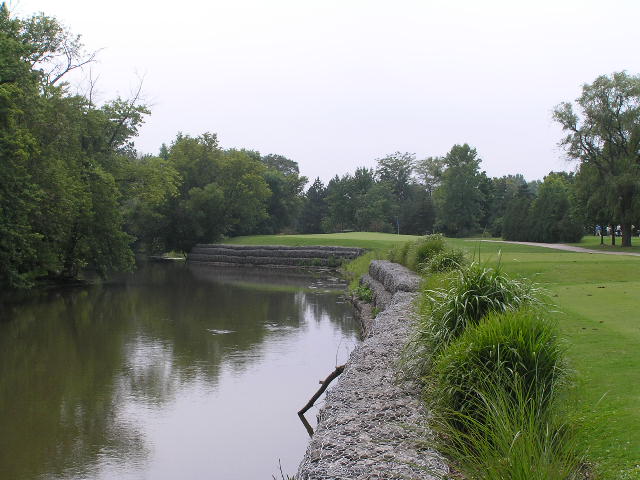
[[334, 85]]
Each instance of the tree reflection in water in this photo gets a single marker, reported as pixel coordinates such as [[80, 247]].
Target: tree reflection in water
[[83, 370]]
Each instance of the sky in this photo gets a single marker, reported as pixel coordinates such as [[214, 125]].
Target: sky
[[335, 85]]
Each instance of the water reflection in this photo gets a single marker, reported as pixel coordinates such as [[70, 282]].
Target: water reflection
[[173, 372]]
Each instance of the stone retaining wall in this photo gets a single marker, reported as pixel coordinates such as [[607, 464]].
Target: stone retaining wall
[[372, 425], [272, 255]]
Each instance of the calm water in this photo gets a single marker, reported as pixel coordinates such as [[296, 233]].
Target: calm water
[[175, 372]]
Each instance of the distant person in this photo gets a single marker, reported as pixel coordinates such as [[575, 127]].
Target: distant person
[[598, 231], [608, 230], [618, 230]]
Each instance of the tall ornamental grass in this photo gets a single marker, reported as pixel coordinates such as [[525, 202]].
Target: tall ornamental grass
[[509, 345], [473, 292], [415, 254], [522, 434], [444, 261]]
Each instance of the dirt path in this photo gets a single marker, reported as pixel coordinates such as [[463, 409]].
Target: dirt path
[[562, 246]]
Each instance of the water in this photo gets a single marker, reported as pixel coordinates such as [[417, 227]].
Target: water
[[173, 372]]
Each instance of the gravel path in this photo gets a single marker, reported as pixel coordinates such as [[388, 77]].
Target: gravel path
[[372, 426], [562, 246]]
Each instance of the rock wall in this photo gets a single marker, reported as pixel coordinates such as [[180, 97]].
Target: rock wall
[[272, 255], [372, 425]]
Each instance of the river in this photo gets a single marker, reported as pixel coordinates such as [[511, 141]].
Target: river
[[173, 372]]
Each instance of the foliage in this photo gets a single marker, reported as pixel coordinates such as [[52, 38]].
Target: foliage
[[458, 198], [444, 261], [516, 224], [605, 138], [314, 208], [472, 293], [523, 435], [423, 250], [60, 203], [364, 293], [553, 217], [505, 345]]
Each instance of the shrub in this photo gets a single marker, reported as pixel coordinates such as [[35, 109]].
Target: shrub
[[444, 261], [471, 294], [398, 253], [421, 251], [364, 293], [505, 346], [520, 437]]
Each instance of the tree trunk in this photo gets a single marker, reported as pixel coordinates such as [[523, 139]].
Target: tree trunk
[[613, 235], [626, 234]]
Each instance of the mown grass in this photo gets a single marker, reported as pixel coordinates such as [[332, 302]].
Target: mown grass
[[593, 242], [368, 240]]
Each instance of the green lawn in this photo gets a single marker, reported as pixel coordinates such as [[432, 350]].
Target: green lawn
[[368, 240], [593, 242], [597, 307]]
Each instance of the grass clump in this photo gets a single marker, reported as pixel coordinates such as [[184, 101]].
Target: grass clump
[[359, 266], [423, 250], [473, 292], [514, 344], [416, 253], [521, 435], [398, 253], [363, 293], [444, 261]]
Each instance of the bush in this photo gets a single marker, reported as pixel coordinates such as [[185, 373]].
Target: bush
[[494, 393], [444, 261], [364, 293], [446, 312], [520, 437], [398, 253], [517, 344], [421, 251]]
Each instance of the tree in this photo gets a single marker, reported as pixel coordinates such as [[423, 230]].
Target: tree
[[286, 185], [60, 203], [429, 172], [604, 136], [516, 224], [553, 217], [459, 198], [314, 209], [396, 172]]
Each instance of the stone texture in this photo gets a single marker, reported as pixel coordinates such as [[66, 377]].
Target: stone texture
[[372, 425], [394, 277], [276, 255]]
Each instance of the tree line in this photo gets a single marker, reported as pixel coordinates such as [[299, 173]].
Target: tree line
[[75, 195], [447, 194]]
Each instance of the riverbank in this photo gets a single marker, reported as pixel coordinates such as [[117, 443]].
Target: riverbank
[[372, 425]]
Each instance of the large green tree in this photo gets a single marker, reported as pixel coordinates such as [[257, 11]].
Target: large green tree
[[458, 198], [60, 203], [604, 136]]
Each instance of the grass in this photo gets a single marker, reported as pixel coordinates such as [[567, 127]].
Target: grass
[[593, 242], [520, 437], [597, 312], [368, 240]]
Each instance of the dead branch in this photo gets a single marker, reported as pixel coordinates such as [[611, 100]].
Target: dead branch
[[325, 384]]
